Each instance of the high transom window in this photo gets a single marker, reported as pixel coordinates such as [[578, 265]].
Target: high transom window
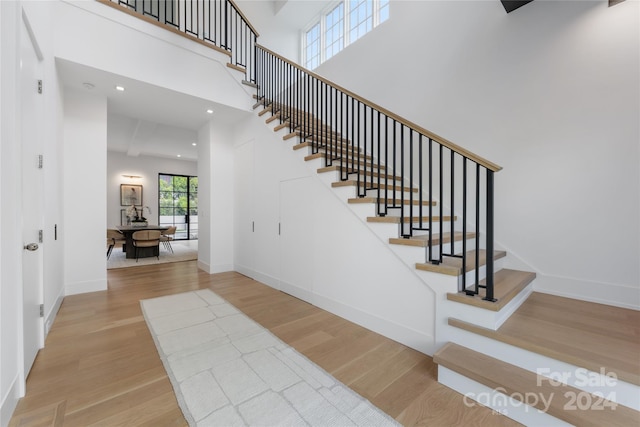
[[338, 26]]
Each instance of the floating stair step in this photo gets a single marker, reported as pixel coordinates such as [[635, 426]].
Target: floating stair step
[[251, 84], [337, 168], [354, 183], [396, 219], [453, 266], [422, 240], [391, 202], [507, 284], [519, 383], [264, 111], [349, 161], [322, 149], [237, 67]]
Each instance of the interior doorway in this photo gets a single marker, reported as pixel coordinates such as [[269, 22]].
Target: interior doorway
[[178, 204]]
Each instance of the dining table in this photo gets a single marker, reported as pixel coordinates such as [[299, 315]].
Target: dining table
[[128, 230]]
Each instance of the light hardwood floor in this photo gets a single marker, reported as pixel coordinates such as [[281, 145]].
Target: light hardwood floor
[[100, 365]]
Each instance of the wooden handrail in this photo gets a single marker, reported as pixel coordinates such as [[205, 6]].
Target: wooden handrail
[[445, 142], [244, 17], [163, 26]]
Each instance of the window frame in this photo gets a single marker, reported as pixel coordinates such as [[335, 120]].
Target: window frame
[[321, 20]]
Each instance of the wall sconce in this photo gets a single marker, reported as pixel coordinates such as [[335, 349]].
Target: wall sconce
[[132, 176]]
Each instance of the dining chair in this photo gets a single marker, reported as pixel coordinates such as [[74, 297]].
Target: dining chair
[[113, 238], [167, 236], [147, 239]]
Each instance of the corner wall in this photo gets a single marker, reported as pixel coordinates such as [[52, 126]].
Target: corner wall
[[84, 201]]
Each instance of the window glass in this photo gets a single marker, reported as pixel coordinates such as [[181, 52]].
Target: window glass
[[384, 10], [334, 37], [360, 18], [345, 23], [312, 50]]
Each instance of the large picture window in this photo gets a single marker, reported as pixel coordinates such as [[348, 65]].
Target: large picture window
[[343, 23], [178, 204]]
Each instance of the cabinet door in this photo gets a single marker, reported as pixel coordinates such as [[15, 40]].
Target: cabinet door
[[244, 256], [296, 237]]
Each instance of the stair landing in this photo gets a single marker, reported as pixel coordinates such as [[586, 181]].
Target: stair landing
[[589, 335]]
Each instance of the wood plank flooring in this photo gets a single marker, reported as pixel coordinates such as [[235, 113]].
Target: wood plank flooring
[[100, 365]]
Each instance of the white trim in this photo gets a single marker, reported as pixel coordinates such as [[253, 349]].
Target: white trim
[[87, 286], [9, 402]]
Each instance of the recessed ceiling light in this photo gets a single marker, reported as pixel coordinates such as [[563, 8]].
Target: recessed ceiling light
[[120, 88], [179, 155], [210, 111], [194, 144]]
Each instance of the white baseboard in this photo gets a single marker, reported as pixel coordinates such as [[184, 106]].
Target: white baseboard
[[84, 287], [220, 268], [51, 316], [204, 266], [601, 293], [418, 340], [9, 402]]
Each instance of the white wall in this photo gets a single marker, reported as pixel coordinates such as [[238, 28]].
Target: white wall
[[85, 183], [549, 92], [326, 254], [148, 168], [215, 197], [10, 234]]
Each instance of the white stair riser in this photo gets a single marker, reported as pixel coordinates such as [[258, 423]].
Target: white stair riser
[[591, 382], [477, 394]]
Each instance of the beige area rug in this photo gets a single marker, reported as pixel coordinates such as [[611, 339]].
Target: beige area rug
[[227, 370], [181, 252]]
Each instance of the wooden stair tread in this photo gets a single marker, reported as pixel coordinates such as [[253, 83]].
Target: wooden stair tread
[[237, 67], [582, 333], [362, 172], [390, 201], [453, 266], [348, 161], [507, 284], [516, 382], [352, 182], [422, 240], [396, 219]]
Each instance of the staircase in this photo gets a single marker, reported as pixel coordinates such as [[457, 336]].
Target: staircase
[[431, 201], [476, 357]]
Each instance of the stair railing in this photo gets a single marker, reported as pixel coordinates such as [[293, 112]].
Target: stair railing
[[218, 23], [404, 166]]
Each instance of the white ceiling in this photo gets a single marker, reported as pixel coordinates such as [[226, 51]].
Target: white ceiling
[[146, 119]]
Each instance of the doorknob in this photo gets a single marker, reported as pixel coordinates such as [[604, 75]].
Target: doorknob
[[31, 247]]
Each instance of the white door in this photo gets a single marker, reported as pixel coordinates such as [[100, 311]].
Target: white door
[[32, 117], [244, 208], [296, 237]]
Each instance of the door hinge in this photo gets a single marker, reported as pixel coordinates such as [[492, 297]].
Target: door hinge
[[40, 236], [40, 86], [41, 310], [40, 161]]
